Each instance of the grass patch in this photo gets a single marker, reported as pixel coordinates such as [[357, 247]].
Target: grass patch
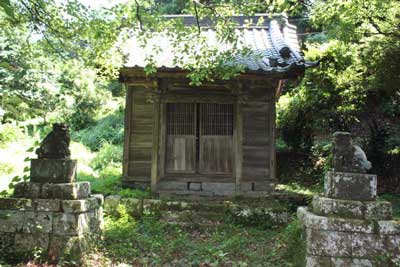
[[298, 188], [151, 242], [108, 182]]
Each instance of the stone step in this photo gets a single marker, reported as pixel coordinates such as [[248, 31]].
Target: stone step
[[71, 191], [262, 207], [193, 218], [369, 210], [214, 189]]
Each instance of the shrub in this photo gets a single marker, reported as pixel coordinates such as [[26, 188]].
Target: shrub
[[109, 129], [108, 182], [293, 237], [107, 155], [10, 132]]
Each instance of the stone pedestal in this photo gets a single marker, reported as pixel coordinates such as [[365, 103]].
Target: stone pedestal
[[59, 220], [347, 227], [53, 170]]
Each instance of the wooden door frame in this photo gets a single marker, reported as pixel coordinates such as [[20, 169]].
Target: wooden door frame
[[237, 137]]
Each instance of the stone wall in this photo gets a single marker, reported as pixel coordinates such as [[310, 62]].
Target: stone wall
[[52, 216], [55, 227], [348, 227]]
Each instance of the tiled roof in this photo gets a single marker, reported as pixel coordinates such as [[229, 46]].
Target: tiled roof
[[274, 45]]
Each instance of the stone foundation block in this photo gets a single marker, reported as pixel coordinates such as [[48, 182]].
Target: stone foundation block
[[389, 227], [31, 242], [310, 220], [47, 204], [393, 244], [11, 221], [69, 191], [193, 186], [351, 186], [99, 197], [16, 204], [219, 189], [133, 206], [53, 171], [350, 244], [111, 203], [368, 245], [351, 262], [38, 222], [70, 224], [67, 247], [328, 243], [80, 205], [317, 261], [377, 210], [256, 187], [27, 190]]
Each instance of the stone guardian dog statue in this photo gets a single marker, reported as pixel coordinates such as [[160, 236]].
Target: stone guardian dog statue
[[348, 157], [56, 144]]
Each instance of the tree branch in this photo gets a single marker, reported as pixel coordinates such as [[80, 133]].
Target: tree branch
[[138, 15]]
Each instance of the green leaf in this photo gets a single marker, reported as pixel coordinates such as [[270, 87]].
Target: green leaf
[[30, 149], [8, 9], [27, 159], [16, 179], [26, 169]]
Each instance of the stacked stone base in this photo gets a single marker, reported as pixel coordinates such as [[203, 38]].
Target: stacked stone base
[[347, 227], [56, 221]]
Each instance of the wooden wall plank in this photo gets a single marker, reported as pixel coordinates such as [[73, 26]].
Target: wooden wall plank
[[141, 134], [257, 139]]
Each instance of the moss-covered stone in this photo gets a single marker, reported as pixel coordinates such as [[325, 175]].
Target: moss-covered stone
[[38, 242], [80, 205], [53, 170], [47, 204], [16, 203], [351, 186], [68, 191], [11, 221], [27, 190], [318, 261], [38, 222]]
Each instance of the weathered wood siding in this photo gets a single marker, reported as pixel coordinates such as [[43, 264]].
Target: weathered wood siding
[[141, 134], [247, 153], [258, 143]]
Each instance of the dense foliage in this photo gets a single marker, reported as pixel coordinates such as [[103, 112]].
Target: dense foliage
[[356, 86]]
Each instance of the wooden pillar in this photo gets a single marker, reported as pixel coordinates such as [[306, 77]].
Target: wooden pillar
[[156, 138], [127, 129], [238, 141], [162, 139], [272, 120]]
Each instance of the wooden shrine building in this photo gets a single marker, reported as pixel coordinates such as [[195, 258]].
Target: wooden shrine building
[[217, 139]]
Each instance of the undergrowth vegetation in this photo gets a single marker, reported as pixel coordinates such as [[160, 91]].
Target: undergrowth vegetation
[[149, 241]]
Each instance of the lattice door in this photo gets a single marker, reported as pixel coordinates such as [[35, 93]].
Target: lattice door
[[181, 138], [215, 135]]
